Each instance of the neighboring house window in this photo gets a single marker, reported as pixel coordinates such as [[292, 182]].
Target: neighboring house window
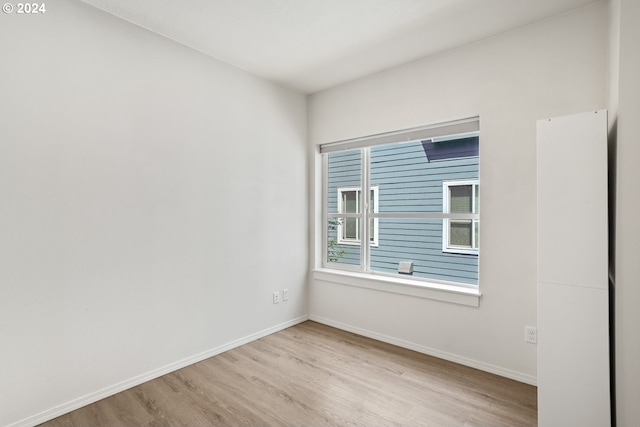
[[350, 201], [399, 222], [460, 235]]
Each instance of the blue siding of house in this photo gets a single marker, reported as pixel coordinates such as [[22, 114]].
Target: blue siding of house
[[407, 182]]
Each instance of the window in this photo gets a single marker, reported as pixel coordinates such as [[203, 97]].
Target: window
[[350, 201], [460, 235], [422, 206]]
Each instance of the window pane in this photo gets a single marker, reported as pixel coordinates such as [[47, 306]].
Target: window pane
[[349, 202], [420, 241], [350, 228], [372, 230], [372, 200], [344, 172], [337, 252], [477, 188], [477, 242], [407, 177], [460, 233], [460, 198]]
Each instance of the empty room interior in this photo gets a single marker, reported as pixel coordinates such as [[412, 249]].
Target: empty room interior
[[185, 239]]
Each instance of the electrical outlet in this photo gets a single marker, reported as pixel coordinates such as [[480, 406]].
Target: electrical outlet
[[285, 295], [531, 334], [276, 297]]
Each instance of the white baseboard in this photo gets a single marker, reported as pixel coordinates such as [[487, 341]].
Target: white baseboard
[[503, 372], [117, 388]]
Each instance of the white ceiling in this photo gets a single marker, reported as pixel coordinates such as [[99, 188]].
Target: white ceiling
[[311, 45]]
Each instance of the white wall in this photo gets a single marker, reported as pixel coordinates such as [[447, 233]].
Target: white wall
[[627, 239], [552, 68], [151, 200]]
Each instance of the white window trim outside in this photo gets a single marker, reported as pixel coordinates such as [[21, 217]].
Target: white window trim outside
[[445, 222], [356, 242]]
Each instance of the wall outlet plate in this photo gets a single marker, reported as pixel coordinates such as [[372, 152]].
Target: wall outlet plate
[[531, 334], [276, 297]]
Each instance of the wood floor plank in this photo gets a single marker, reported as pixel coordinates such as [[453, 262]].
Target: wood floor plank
[[315, 375]]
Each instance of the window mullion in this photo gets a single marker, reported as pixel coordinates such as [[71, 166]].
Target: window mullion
[[366, 196]]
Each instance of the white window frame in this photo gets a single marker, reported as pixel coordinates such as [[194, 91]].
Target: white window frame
[[356, 241], [446, 247], [362, 275]]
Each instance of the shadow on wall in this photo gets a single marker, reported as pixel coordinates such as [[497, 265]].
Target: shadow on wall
[[612, 145]]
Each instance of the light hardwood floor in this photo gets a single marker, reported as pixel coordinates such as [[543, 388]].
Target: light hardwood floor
[[315, 375]]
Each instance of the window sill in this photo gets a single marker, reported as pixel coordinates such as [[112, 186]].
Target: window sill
[[434, 291], [460, 251]]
